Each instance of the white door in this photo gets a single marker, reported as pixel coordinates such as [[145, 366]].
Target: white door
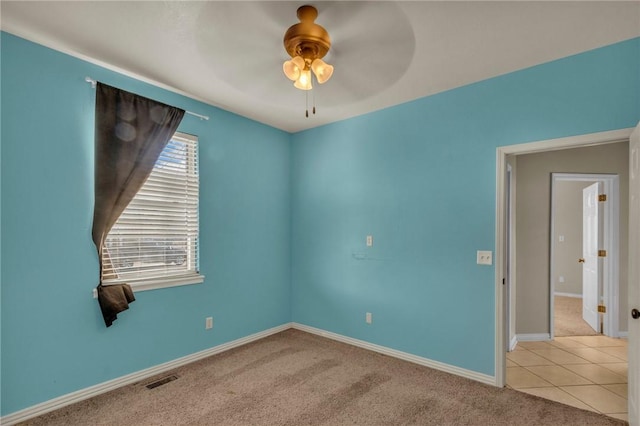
[[634, 278], [590, 246]]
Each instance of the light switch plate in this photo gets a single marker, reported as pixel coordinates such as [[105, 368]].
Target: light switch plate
[[485, 257]]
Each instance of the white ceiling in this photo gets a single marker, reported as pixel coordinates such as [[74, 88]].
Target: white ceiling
[[230, 54]]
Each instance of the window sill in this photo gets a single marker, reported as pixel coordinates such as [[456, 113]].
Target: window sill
[[154, 284]]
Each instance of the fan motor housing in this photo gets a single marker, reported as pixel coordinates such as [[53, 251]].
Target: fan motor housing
[[307, 39]]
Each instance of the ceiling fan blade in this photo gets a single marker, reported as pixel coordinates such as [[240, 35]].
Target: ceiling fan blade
[[371, 54], [281, 14], [334, 15], [243, 59]]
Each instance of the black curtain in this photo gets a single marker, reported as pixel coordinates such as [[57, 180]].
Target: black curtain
[[130, 133]]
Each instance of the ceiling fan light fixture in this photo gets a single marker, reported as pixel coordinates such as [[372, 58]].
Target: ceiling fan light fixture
[[322, 70], [293, 68], [304, 81], [307, 43]]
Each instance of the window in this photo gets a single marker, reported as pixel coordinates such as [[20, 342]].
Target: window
[[154, 242]]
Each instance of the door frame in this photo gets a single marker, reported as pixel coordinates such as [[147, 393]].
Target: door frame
[[510, 291], [502, 152], [611, 264]]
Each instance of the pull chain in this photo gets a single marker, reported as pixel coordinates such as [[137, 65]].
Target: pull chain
[[313, 100]]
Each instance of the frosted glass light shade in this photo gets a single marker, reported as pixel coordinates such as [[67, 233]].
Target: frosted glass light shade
[[293, 68], [322, 70], [304, 81]]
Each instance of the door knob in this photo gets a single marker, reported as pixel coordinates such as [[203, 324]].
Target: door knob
[[635, 314], [581, 260]]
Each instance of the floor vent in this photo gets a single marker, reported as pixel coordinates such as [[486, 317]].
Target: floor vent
[[161, 382]]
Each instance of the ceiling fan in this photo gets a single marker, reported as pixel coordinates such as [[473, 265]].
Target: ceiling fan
[[307, 43], [371, 45]]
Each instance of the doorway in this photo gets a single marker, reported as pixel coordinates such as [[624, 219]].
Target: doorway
[[570, 307], [544, 331], [502, 154]]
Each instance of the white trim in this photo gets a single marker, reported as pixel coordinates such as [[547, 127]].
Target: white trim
[[513, 343], [533, 337], [501, 161], [573, 295], [500, 260], [623, 334], [592, 139], [153, 284], [447, 368], [91, 391], [611, 265], [95, 390], [510, 263]]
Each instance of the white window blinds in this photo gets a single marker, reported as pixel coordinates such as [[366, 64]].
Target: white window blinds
[[155, 241]]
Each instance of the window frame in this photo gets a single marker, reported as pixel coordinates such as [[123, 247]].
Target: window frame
[[177, 279]]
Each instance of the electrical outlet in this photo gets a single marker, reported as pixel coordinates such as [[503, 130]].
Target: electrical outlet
[[369, 240], [484, 257], [208, 323], [368, 318]]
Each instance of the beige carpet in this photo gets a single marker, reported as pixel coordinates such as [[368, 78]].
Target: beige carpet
[[295, 378], [568, 317]]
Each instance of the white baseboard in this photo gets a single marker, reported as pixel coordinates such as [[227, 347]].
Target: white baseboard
[[447, 368], [533, 337], [81, 395], [513, 343], [623, 334], [574, 295]]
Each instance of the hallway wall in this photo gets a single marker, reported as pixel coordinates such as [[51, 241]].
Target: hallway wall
[[533, 225]]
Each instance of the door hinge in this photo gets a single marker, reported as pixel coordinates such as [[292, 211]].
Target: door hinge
[[602, 309], [602, 197], [602, 253]]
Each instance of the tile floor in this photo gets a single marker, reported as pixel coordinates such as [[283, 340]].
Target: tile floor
[[588, 372]]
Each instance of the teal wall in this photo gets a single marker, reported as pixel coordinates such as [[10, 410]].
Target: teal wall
[[420, 178], [283, 218], [53, 337]]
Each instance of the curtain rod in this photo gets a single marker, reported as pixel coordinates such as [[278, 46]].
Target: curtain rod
[[200, 116]]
